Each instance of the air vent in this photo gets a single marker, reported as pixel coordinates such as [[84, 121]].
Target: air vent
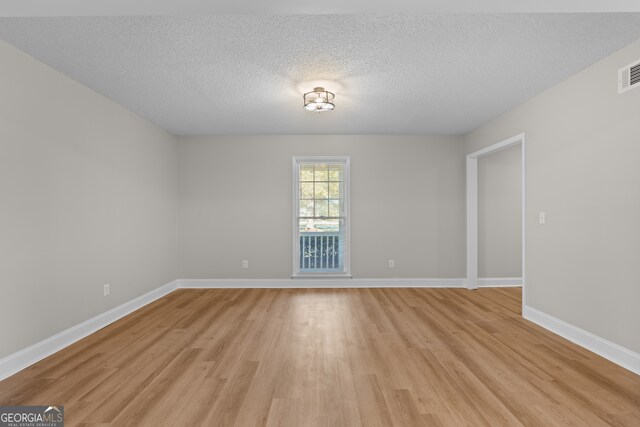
[[629, 77], [635, 75]]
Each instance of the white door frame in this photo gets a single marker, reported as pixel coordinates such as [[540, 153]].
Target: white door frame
[[472, 207]]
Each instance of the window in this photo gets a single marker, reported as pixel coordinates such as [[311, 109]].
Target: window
[[321, 216]]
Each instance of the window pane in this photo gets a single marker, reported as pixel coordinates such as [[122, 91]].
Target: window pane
[[321, 246], [321, 173], [322, 208], [306, 207], [328, 226], [306, 190], [306, 225], [335, 173], [321, 190], [306, 173], [335, 208], [335, 190]]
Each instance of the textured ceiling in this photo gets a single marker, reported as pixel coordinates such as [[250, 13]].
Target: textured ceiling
[[392, 74]]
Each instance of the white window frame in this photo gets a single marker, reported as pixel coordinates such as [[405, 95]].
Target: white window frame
[[346, 162]]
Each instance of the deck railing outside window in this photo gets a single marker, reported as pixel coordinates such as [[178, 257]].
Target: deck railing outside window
[[320, 252]]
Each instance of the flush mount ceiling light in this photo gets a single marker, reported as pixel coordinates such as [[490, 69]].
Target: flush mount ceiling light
[[319, 100]]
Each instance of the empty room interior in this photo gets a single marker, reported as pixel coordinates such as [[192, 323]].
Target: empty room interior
[[338, 213]]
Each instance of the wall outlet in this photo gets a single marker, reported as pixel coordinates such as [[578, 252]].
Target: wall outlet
[[107, 289], [392, 263], [245, 263], [542, 218]]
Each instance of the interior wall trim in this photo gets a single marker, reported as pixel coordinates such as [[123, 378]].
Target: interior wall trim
[[499, 282], [617, 354], [24, 358], [318, 283]]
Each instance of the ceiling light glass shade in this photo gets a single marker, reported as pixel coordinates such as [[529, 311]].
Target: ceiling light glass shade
[[319, 100]]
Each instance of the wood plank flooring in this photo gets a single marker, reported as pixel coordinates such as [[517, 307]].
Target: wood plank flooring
[[336, 357]]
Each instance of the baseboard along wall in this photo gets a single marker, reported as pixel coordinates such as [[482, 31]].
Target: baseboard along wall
[[22, 359], [319, 283], [611, 351], [346, 283], [499, 282]]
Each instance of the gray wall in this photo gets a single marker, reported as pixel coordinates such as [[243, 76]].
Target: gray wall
[[582, 151], [500, 214], [407, 204], [88, 195]]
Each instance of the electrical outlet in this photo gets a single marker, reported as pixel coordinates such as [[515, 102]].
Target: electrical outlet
[[245, 263], [107, 289], [392, 263], [542, 218]]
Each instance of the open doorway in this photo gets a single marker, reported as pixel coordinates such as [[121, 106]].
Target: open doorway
[[474, 236]]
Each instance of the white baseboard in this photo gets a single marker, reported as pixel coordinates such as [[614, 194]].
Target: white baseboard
[[499, 282], [312, 283], [32, 354], [36, 352], [617, 354]]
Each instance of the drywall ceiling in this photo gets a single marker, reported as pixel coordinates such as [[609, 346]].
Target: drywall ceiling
[[392, 74], [283, 7]]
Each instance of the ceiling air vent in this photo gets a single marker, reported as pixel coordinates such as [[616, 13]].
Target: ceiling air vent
[[629, 77]]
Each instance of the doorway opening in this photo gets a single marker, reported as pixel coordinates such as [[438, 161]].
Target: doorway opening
[[472, 208]]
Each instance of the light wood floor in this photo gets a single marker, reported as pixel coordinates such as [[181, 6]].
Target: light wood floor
[[330, 357]]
